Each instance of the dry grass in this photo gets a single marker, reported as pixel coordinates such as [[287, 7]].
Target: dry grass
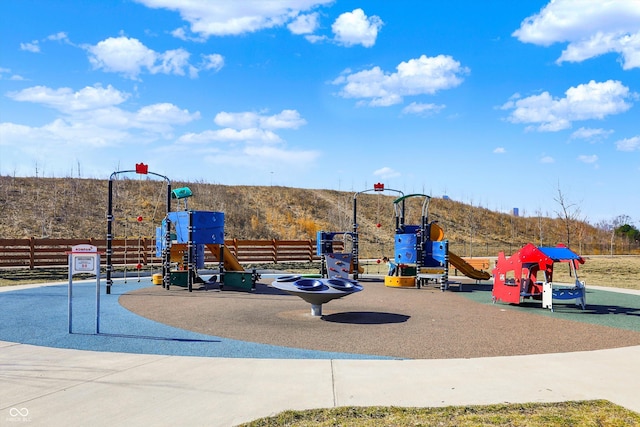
[[567, 414], [76, 208], [617, 271]]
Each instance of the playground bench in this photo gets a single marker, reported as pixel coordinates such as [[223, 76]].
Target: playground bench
[[477, 263]]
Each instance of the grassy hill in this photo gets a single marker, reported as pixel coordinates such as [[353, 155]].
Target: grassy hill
[[76, 208]]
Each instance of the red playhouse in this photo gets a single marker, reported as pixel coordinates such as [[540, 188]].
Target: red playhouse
[[516, 278]]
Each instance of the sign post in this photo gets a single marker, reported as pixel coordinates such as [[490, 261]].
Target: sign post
[[84, 259]]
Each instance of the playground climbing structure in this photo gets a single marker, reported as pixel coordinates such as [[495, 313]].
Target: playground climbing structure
[[528, 274], [422, 253], [181, 241], [185, 235]]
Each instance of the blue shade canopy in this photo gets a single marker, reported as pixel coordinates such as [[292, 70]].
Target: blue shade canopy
[[560, 253]]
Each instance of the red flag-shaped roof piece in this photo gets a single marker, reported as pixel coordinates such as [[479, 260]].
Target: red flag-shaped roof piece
[[142, 168]]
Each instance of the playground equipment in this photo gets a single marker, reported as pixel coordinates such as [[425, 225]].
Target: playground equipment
[[181, 241], [378, 187], [419, 257], [516, 277], [333, 264], [421, 252], [340, 265], [316, 291], [141, 169], [185, 235]]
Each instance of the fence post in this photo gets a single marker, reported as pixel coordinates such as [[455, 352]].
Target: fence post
[[32, 253], [274, 250]]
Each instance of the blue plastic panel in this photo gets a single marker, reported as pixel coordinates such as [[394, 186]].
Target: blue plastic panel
[[159, 240], [199, 256], [324, 243], [410, 229], [405, 248], [207, 227], [180, 225], [435, 254]]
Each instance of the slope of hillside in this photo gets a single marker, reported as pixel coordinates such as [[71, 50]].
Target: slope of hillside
[[76, 208]]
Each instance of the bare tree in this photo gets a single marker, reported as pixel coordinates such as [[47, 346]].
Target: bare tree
[[540, 226], [569, 214], [616, 223]]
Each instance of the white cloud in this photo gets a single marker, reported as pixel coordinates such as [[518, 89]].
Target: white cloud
[[130, 57], [286, 119], [33, 46], [91, 116], [172, 62], [250, 139], [591, 134], [262, 159], [245, 120], [6, 71], [123, 55], [590, 27], [223, 17], [499, 150], [589, 159], [251, 135], [583, 102], [60, 36], [628, 144], [212, 62], [424, 75], [547, 159], [66, 100], [352, 28], [304, 24], [181, 33], [386, 172], [422, 109], [164, 113]]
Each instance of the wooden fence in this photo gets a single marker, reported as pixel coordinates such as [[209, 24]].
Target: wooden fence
[[32, 253]]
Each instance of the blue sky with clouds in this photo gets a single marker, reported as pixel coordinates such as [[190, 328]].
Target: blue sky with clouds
[[495, 103]]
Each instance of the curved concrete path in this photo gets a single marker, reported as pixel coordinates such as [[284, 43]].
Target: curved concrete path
[[47, 386]]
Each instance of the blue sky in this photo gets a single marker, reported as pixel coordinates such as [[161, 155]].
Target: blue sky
[[495, 103]]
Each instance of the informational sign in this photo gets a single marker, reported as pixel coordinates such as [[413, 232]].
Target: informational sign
[[84, 264], [84, 259], [84, 248]]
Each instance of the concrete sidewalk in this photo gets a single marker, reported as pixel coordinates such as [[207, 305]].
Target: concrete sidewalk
[[58, 387]]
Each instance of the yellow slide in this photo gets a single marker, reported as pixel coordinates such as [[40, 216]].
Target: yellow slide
[[229, 261], [466, 269]]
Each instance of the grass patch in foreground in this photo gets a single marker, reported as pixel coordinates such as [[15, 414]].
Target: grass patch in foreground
[[581, 413]]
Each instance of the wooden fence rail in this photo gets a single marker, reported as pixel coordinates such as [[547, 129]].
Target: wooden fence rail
[[32, 253]]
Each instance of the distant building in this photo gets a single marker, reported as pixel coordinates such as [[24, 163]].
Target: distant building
[[445, 197], [515, 212]]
